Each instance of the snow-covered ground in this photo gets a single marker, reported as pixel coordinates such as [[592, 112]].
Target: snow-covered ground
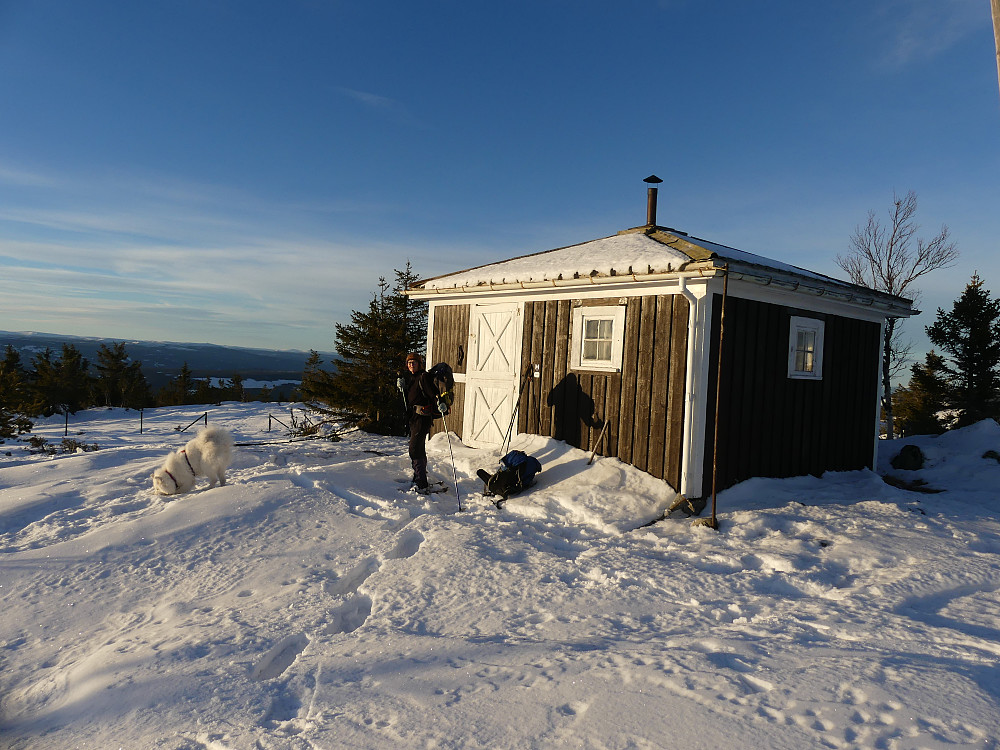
[[312, 603]]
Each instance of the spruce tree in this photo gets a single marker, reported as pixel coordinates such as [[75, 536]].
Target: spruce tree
[[970, 337], [371, 350], [60, 386], [178, 391], [411, 313], [13, 395], [316, 390], [236, 391], [920, 403], [120, 382], [205, 393]]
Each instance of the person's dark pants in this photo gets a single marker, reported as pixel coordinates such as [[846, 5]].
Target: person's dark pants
[[419, 428]]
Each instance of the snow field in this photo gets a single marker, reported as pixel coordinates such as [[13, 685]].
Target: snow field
[[311, 603]]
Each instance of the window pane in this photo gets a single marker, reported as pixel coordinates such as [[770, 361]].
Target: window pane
[[600, 331], [805, 350]]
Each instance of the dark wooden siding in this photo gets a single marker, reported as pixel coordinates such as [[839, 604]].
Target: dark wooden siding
[[771, 425], [451, 336], [643, 404]]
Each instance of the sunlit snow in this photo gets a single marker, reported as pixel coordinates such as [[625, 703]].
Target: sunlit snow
[[313, 603]]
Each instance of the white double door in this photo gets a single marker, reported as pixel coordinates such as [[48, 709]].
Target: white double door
[[494, 352]]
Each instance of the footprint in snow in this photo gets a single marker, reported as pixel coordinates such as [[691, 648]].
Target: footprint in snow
[[350, 616], [350, 581], [407, 546], [280, 657]]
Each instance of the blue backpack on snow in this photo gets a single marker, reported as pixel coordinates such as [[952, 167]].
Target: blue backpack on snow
[[517, 472]]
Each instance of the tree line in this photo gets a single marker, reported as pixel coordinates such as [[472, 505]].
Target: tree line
[[66, 382], [359, 391]]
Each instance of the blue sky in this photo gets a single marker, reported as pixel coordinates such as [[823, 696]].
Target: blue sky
[[242, 172]]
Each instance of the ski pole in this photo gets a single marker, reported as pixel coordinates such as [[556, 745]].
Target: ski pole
[[513, 412], [406, 406], [454, 470]]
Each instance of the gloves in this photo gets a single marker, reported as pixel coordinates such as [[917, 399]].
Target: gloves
[[400, 384], [442, 407]]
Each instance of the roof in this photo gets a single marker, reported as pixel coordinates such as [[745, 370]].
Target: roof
[[646, 253]]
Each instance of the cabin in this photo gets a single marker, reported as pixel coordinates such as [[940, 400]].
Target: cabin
[[698, 363]]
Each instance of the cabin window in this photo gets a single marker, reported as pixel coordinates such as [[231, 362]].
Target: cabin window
[[805, 348], [598, 333]]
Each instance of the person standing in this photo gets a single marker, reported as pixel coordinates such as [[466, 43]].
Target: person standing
[[421, 408]]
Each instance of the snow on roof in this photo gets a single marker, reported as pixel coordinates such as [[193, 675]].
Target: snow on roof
[[639, 251], [620, 254], [644, 251]]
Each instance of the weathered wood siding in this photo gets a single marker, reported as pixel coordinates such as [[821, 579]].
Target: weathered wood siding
[[450, 337], [771, 425], [643, 404]]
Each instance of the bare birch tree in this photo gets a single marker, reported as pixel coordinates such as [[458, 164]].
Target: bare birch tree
[[890, 259]]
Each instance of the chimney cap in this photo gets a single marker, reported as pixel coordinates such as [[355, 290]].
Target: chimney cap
[[653, 180]]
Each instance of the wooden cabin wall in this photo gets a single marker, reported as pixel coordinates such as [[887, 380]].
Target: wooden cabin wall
[[771, 425], [644, 403], [450, 337]]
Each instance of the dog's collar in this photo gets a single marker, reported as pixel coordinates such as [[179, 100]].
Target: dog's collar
[[177, 485], [188, 461]]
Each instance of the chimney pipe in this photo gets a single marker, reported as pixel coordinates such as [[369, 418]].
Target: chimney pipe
[[652, 181]]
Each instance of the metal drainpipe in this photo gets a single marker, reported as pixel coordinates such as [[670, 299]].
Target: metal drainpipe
[[714, 523], [688, 384]]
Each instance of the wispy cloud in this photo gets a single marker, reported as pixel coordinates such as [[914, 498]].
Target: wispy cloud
[[923, 29], [392, 107], [107, 251]]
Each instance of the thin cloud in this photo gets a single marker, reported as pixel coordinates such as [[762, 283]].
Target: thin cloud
[[924, 29], [397, 110]]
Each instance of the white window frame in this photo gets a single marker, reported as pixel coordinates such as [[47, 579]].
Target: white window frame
[[614, 313], [801, 324]]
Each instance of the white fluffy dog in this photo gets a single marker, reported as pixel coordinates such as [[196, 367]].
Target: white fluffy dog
[[207, 455]]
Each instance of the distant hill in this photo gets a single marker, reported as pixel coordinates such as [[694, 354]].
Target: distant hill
[[162, 360]]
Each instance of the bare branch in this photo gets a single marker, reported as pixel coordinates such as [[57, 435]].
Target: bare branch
[[884, 258]]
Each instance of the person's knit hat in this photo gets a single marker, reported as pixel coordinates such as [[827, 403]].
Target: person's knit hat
[[414, 355]]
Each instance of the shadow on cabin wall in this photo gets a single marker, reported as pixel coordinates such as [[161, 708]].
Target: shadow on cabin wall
[[572, 409]]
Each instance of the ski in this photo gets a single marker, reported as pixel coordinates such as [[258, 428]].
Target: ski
[[433, 488]]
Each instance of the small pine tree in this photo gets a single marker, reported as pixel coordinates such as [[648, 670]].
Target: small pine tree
[[235, 389], [205, 393], [970, 336], [13, 395], [919, 405], [316, 390], [178, 391], [60, 386], [119, 381]]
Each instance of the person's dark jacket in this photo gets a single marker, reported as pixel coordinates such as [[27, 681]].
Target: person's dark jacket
[[420, 391]]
